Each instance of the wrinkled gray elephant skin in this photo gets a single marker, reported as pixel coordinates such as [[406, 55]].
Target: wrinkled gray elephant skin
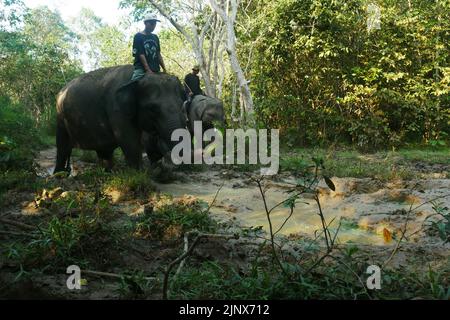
[[102, 110]]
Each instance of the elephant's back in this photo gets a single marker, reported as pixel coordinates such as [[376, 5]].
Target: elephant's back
[[92, 90], [83, 102]]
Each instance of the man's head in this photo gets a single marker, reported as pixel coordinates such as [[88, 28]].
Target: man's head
[[150, 22], [196, 69]]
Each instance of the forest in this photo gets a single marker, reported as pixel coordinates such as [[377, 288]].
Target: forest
[[359, 210]]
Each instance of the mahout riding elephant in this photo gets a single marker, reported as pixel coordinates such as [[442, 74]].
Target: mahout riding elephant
[[102, 110]]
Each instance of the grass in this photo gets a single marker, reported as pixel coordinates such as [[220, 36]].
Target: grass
[[381, 165], [75, 231], [131, 182], [172, 219], [429, 156], [212, 281]]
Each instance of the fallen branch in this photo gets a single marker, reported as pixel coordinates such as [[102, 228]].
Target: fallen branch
[[111, 275], [16, 234], [186, 249], [18, 224]]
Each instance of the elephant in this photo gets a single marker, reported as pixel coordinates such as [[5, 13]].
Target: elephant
[[205, 109], [103, 110]]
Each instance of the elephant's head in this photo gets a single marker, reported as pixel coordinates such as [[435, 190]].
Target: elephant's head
[[158, 101], [208, 110]]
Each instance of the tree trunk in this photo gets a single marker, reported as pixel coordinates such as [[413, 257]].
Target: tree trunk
[[228, 15]]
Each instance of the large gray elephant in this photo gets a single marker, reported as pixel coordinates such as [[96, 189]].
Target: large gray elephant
[[103, 110]]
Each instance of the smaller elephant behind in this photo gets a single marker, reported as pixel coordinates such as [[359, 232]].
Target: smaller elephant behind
[[205, 109]]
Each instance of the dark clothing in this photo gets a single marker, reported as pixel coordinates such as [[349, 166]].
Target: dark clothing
[[192, 84], [150, 47]]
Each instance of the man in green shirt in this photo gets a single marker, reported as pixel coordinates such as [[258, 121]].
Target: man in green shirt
[[147, 50]]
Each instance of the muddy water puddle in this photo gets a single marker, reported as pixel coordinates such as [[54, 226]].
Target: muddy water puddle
[[364, 209]]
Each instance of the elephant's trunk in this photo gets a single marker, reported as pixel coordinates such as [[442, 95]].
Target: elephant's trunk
[[170, 125]]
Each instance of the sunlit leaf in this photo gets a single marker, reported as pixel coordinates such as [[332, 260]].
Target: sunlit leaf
[[387, 235]]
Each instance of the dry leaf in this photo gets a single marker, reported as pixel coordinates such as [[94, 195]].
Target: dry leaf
[[387, 235]]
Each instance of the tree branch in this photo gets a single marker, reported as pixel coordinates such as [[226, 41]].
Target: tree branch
[[171, 20]]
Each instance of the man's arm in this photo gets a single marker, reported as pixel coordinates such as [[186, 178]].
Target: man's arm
[[145, 63], [161, 62]]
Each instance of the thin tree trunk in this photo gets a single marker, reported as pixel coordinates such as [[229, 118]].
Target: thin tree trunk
[[228, 16]]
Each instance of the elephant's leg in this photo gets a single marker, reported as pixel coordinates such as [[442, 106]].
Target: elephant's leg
[[132, 153], [107, 159], [128, 138], [64, 149], [152, 149], [131, 148]]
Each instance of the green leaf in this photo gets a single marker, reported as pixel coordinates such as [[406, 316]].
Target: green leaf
[[330, 183]]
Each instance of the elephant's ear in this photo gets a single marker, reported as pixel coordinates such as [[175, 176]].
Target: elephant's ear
[[125, 99], [200, 105]]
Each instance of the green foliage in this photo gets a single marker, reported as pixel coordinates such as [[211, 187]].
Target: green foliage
[[18, 136], [321, 76], [133, 285], [131, 182], [337, 280], [104, 45], [78, 233], [173, 219], [36, 61], [440, 226], [382, 165]]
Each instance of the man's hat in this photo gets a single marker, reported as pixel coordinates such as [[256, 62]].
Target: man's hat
[[151, 17]]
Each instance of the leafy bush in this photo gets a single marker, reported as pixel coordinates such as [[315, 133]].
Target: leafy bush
[[320, 76]]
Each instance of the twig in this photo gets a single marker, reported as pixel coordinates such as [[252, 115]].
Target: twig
[[111, 275], [324, 223], [330, 249], [327, 254], [18, 224], [397, 247], [186, 248], [215, 198], [403, 236], [272, 235], [18, 234], [186, 236], [356, 275], [186, 254], [286, 220]]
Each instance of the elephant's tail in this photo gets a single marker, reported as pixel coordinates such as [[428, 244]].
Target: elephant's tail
[[64, 148]]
